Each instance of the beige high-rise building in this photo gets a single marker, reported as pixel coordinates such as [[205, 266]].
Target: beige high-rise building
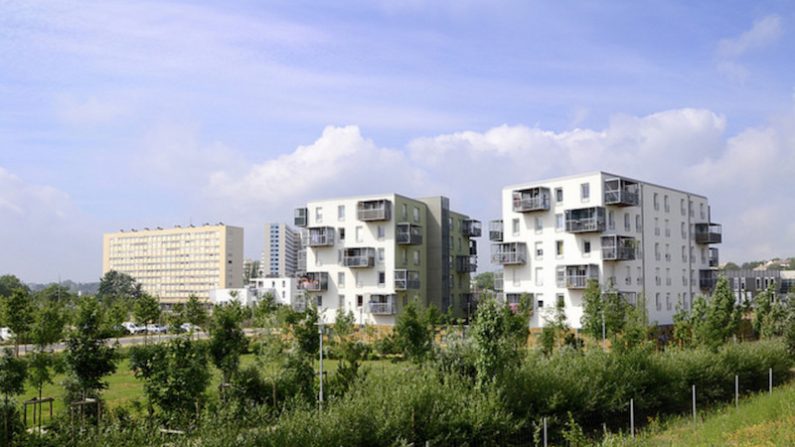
[[174, 263]]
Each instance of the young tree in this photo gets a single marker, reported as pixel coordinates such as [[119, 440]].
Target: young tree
[[485, 281], [592, 311], [195, 312], [227, 340], [494, 354], [683, 327], [146, 311], [47, 329], [12, 383], [88, 358], [19, 316], [413, 332], [305, 332], [722, 319], [763, 304], [118, 286]]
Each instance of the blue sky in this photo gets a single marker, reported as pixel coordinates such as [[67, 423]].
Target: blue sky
[[118, 115]]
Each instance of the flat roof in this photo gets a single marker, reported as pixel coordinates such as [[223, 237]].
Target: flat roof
[[584, 174]]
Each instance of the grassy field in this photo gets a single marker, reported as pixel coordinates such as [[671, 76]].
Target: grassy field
[[760, 420], [124, 388]]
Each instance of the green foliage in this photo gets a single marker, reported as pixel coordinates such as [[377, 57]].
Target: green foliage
[[55, 293], [722, 319], [175, 377], [48, 325], [485, 281], [591, 319], [118, 286], [88, 358], [304, 330], [195, 312], [494, 343], [19, 315], [9, 283], [12, 382], [227, 341], [146, 309], [414, 331]]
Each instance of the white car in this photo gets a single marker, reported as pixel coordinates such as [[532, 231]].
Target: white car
[[133, 328], [6, 334], [188, 327], [156, 329]]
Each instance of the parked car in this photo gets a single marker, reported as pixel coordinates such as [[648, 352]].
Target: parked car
[[189, 327], [156, 329], [133, 328], [6, 334]]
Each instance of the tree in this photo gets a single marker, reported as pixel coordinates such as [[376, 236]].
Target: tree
[[722, 319], [305, 331], [47, 329], [592, 315], [763, 304], [146, 310], [413, 333], [227, 340], [485, 281], [88, 358], [195, 312], [494, 347], [116, 285], [18, 314], [55, 292], [731, 266], [12, 383], [9, 283], [683, 327]]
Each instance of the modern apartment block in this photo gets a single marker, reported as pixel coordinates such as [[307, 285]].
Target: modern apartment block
[[746, 283], [280, 256], [631, 236], [174, 263], [371, 255]]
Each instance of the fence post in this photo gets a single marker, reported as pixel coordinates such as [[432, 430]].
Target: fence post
[[545, 432], [694, 404], [736, 391], [770, 381], [632, 416]]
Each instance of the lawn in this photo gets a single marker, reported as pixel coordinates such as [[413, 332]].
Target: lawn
[[124, 388], [760, 420]]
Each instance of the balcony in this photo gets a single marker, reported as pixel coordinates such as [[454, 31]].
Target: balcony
[[577, 276], [471, 228], [407, 279], [314, 282], [621, 192], [381, 305], [586, 220], [321, 236], [359, 257], [374, 210], [495, 230], [499, 284], [466, 264], [301, 217], [707, 279], [618, 248], [509, 253], [713, 260], [708, 233], [473, 248], [531, 199], [408, 234]]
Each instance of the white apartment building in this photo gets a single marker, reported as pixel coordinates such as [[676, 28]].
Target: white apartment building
[[284, 291], [280, 254], [174, 263], [633, 236], [371, 255]]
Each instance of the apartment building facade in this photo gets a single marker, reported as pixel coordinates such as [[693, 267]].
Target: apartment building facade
[[747, 283], [371, 255], [634, 237], [174, 263], [280, 254]]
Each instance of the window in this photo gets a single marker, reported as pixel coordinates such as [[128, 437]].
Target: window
[[539, 224], [558, 195], [683, 228], [559, 222], [684, 254], [639, 279], [341, 303], [657, 302], [320, 301], [667, 276], [416, 257], [381, 254], [586, 247], [668, 252], [318, 214], [540, 300], [560, 300], [359, 235], [341, 232], [701, 211], [404, 212], [404, 256], [668, 301], [628, 277], [585, 191], [656, 202], [341, 213], [656, 226], [558, 248], [560, 276], [682, 206], [381, 232], [627, 222], [359, 300], [539, 276], [666, 204], [657, 251], [638, 225], [539, 250], [340, 280], [657, 279], [416, 214], [667, 229], [381, 279], [515, 227]]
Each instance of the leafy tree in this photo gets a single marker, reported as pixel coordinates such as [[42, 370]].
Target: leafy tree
[[117, 313], [55, 292], [175, 376], [636, 326], [116, 285], [88, 358], [349, 351], [591, 319], [698, 321], [9, 283], [146, 310], [555, 328], [413, 332], [731, 266], [683, 327], [763, 304], [195, 312], [19, 315], [305, 331], [47, 329], [789, 328], [12, 383], [722, 319], [485, 281], [494, 347], [176, 318], [227, 340]]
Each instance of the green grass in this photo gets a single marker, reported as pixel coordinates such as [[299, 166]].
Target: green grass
[[124, 388], [760, 420]]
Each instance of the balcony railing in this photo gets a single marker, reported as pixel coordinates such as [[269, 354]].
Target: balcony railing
[[381, 305], [713, 260], [321, 236], [708, 233], [585, 220], [359, 257], [301, 217], [577, 276], [508, 253], [408, 234], [471, 228], [707, 279], [314, 282], [531, 199], [466, 264], [473, 247], [618, 248], [407, 279], [374, 210], [621, 192], [495, 230]]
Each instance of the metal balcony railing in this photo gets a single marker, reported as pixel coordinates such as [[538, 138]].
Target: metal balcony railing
[[621, 192], [495, 230], [300, 217], [408, 234], [585, 220], [466, 264], [321, 236], [618, 248], [531, 199], [407, 279], [374, 210], [314, 282], [708, 233], [359, 257], [507, 253], [381, 305], [471, 228]]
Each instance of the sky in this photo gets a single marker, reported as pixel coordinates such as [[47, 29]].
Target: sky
[[119, 115]]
